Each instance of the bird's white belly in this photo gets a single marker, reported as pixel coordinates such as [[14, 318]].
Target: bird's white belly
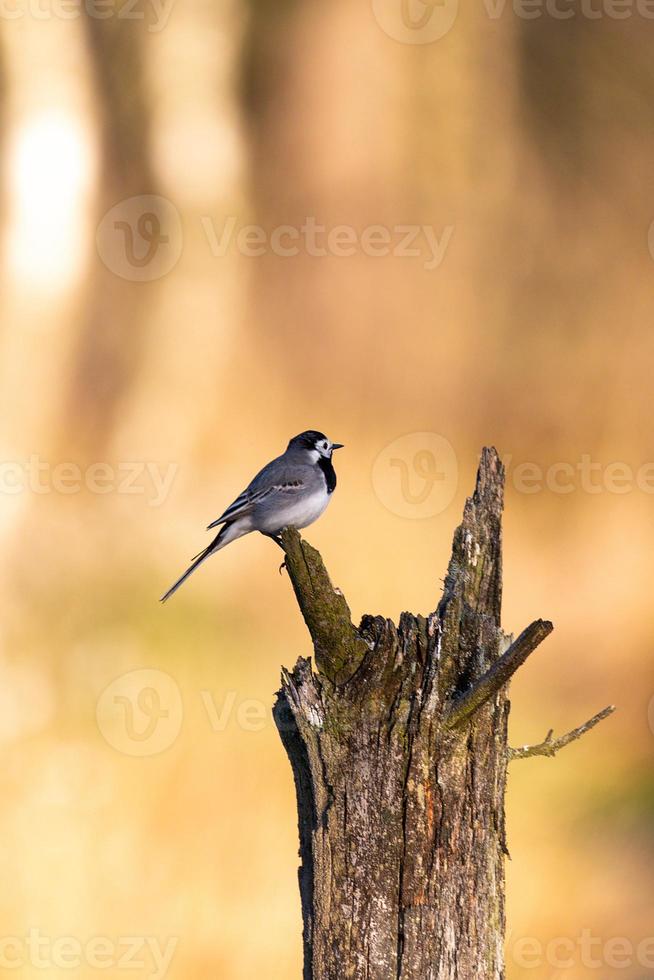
[[298, 512]]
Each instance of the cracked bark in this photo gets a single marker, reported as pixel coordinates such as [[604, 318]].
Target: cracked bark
[[398, 744]]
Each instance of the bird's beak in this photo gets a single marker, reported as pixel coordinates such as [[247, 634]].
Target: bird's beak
[[337, 445]]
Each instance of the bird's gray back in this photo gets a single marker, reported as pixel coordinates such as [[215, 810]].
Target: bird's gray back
[[284, 477], [286, 469]]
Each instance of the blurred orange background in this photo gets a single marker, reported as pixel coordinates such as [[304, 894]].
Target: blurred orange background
[[172, 314]]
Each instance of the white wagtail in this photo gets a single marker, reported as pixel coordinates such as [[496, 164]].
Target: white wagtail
[[291, 491]]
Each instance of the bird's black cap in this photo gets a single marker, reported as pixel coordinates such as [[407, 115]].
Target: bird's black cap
[[307, 440]]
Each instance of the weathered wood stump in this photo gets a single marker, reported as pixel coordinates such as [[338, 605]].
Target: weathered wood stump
[[398, 744]]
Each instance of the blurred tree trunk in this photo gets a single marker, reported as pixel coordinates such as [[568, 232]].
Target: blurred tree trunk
[[108, 350], [351, 128], [3, 127], [312, 85], [398, 746]]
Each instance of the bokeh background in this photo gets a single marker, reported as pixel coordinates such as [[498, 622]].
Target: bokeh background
[[150, 363]]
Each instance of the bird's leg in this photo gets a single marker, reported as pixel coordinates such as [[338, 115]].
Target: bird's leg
[[277, 538]]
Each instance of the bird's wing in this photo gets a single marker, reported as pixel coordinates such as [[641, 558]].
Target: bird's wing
[[274, 480]]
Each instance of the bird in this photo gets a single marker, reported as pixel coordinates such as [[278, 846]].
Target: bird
[[292, 490]]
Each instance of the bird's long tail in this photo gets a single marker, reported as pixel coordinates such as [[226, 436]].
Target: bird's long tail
[[222, 538]]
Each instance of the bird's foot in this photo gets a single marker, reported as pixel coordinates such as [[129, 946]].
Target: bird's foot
[[277, 538]]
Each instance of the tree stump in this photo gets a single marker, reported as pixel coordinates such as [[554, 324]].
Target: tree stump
[[398, 744]]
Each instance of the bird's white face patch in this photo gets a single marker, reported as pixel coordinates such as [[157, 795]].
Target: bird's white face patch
[[324, 448]]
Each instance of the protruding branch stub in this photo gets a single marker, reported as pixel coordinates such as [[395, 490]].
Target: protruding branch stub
[[550, 745], [499, 674], [338, 646]]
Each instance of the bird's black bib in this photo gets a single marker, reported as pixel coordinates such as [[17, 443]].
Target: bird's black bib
[[328, 472]]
